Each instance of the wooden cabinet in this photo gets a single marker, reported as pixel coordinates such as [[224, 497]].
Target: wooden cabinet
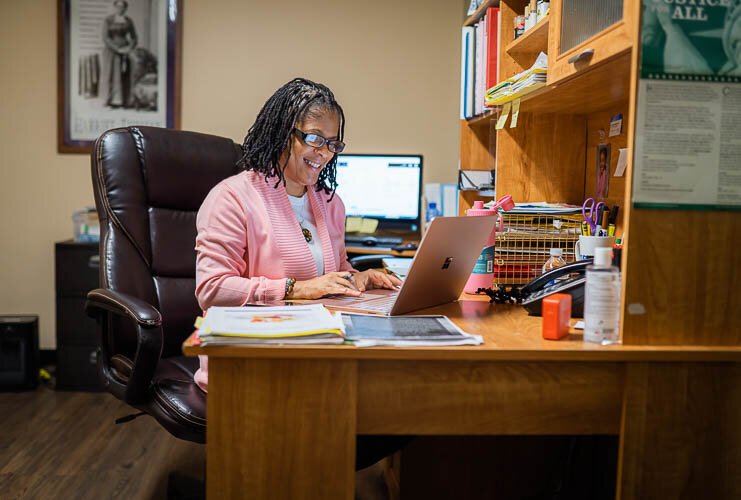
[[605, 25], [76, 270]]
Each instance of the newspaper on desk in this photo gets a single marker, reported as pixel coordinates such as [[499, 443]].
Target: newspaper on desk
[[368, 330]]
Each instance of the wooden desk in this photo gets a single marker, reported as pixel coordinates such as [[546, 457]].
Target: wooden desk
[[282, 421]]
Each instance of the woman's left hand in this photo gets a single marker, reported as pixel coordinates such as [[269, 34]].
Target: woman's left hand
[[373, 278]]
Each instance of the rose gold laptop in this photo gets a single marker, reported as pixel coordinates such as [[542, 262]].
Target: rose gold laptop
[[439, 271]]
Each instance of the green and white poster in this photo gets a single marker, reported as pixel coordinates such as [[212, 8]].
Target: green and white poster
[[688, 119]]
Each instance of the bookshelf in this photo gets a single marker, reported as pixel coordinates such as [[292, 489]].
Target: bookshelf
[[552, 154]]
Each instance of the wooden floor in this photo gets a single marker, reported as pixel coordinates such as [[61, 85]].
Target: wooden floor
[[66, 445]]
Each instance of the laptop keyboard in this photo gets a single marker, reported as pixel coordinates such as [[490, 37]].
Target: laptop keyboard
[[381, 304]]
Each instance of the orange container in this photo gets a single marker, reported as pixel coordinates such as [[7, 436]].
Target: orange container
[[556, 316]]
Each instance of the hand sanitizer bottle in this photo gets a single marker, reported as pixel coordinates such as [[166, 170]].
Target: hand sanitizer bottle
[[602, 300]]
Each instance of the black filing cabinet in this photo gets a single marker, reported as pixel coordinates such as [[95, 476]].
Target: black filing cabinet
[[76, 269]]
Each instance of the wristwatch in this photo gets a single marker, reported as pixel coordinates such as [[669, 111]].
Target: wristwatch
[[289, 287]]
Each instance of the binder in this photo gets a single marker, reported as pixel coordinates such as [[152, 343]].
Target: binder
[[493, 24], [467, 60]]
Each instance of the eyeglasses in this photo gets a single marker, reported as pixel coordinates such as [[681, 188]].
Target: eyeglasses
[[317, 141]]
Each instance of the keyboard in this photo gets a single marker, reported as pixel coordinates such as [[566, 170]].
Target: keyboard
[[372, 241]]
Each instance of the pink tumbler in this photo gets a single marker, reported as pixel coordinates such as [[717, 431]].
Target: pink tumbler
[[483, 272]]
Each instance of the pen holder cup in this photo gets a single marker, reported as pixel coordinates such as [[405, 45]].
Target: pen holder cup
[[584, 248]]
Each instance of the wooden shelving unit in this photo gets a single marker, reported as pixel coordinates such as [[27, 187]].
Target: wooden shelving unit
[[552, 156], [533, 41]]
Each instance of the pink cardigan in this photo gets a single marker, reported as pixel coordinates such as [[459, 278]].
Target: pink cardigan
[[249, 242]]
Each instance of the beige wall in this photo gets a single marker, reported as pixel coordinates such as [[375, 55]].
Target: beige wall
[[392, 64]]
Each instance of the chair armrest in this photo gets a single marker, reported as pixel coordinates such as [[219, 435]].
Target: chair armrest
[[122, 304], [101, 304]]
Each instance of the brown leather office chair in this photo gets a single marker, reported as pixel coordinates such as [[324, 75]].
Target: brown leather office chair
[[148, 184]]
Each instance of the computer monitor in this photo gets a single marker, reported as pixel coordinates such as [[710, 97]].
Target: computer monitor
[[383, 187]]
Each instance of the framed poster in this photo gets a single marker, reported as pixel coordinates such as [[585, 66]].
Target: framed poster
[[118, 65], [688, 111]]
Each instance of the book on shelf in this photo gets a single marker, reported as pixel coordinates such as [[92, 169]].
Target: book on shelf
[[367, 330], [467, 63], [493, 25], [479, 62], [296, 324]]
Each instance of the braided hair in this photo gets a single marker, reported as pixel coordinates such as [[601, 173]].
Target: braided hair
[[270, 135]]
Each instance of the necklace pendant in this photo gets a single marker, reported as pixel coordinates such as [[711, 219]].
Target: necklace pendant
[[307, 234]]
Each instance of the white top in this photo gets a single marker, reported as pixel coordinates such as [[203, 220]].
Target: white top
[[602, 257], [306, 220]]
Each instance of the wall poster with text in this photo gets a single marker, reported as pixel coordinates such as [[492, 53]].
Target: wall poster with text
[[688, 113], [118, 66]]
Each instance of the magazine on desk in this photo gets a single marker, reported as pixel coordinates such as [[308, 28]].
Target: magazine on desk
[[298, 324], [368, 330]]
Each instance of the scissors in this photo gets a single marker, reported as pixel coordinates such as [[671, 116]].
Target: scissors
[[590, 211]]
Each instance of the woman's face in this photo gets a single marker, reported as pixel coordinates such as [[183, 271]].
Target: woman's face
[[307, 162], [120, 8]]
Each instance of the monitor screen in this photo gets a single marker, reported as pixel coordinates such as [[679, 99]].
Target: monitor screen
[[383, 187]]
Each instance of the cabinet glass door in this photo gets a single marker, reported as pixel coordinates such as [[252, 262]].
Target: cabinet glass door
[[582, 19]]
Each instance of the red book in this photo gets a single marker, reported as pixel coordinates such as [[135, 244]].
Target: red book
[[492, 48]]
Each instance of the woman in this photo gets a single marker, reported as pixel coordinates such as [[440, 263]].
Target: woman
[[120, 39], [276, 230]]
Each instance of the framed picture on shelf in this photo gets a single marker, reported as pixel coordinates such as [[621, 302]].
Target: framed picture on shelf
[[118, 65]]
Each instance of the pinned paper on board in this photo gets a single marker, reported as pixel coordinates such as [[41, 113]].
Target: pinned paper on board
[[616, 125], [622, 162], [503, 116], [515, 113]]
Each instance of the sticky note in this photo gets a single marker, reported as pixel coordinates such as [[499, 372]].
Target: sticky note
[[515, 113], [616, 125], [368, 225], [503, 116], [622, 162], [352, 224]]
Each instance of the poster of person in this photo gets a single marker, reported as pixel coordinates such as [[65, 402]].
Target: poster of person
[[602, 187], [691, 37], [118, 68], [688, 108]]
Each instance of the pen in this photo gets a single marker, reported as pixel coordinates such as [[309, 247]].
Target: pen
[[611, 229], [612, 218]]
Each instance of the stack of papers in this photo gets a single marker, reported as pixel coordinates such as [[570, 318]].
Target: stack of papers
[[542, 208], [366, 330], [519, 85], [300, 324]]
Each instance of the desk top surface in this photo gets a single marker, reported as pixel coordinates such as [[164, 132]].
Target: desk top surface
[[509, 335]]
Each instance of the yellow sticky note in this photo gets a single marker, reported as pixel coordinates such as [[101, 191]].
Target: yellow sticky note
[[352, 224], [515, 113], [369, 225], [503, 116]]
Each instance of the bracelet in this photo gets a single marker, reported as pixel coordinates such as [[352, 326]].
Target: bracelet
[[289, 286]]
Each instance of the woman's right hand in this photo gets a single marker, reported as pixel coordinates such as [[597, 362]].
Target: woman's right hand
[[336, 283]]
